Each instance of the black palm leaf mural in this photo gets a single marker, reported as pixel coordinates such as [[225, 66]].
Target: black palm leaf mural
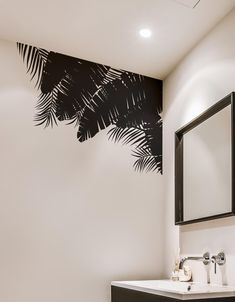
[[94, 97]]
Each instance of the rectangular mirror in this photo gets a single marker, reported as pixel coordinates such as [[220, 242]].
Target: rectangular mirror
[[204, 165]]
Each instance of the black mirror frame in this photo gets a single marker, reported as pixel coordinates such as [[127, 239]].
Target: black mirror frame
[[179, 135]]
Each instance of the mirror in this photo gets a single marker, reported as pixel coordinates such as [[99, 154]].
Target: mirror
[[204, 165]]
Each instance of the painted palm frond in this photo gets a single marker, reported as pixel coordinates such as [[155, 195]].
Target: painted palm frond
[[35, 59], [109, 103], [46, 109], [84, 97], [93, 96], [100, 117], [145, 143], [76, 81], [112, 75], [144, 132], [140, 117], [130, 136], [146, 161]]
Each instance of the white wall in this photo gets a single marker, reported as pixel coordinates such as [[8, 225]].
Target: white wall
[[73, 216], [205, 76]]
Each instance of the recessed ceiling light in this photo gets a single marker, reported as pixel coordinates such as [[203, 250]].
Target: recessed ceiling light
[[145, 33]]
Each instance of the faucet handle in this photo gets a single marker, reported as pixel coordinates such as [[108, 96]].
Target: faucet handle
[[219, 259], [206, 258]]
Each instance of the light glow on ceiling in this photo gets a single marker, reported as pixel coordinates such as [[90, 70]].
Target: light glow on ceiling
[[145, 33]]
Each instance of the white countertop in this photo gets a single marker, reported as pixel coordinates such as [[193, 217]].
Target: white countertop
[[178, 290]]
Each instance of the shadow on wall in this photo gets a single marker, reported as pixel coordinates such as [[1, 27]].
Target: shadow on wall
[[93, 96], [204, 87]]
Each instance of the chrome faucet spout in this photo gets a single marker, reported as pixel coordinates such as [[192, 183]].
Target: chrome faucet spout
[[205, 259]]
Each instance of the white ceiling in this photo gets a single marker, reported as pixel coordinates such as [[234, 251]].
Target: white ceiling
[[106, 31]]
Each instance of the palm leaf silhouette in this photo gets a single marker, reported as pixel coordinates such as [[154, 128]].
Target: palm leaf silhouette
[[142, 128], [130, 136], [46, 109], [112, 100], [76, 81], [146, 144], [35, 59], [146, 161], [93, 96]]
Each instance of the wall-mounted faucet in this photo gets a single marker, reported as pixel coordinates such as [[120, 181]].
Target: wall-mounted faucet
[[205, 259], [218, 259]]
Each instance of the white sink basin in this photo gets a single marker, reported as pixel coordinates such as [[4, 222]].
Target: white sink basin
[[179, 290]]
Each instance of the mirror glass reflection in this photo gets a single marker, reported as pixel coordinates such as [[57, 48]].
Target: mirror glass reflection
[[207, 167]]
